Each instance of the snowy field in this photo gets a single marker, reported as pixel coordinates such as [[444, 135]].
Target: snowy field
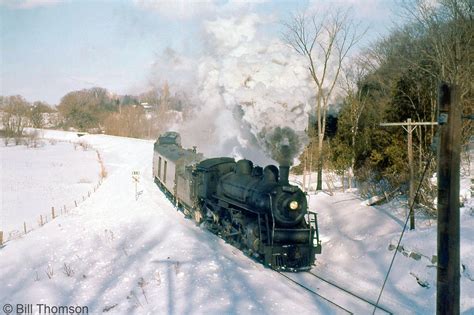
[[115, 254], [54, 174]]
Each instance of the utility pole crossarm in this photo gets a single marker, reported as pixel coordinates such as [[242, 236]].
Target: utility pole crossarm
[[422, 123]]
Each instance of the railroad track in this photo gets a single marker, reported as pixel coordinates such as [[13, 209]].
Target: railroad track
[[314, 292], [345, 300]]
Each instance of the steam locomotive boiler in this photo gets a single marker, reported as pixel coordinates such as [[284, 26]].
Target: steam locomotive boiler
[[256, 209]]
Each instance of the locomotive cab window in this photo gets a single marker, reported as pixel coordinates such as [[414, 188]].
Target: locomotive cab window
[[159, 167], [164, 172]]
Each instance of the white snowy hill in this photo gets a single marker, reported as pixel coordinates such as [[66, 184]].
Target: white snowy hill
[[115, 254]]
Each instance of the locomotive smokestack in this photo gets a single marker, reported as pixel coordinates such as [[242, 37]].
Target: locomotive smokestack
[[285, 162], [284, 174]]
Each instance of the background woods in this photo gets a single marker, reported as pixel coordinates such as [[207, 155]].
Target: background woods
[[95, 110], [393, 80]]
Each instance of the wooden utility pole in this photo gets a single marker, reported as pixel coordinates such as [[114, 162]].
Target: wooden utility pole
[[310, 164], [409, 127], [448, 275]]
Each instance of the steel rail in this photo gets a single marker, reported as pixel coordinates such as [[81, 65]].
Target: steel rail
[[315, 293], [350, 293]]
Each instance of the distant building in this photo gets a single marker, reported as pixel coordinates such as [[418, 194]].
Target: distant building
[[146, 106]]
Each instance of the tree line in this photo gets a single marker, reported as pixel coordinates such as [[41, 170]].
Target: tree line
[[94, 110], [16, 114], [394, 79]]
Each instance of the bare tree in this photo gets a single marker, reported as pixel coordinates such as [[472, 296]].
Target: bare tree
[[449, 27], [131, 122], [325, 40], [15, 117], [356, 101], [38, 113]]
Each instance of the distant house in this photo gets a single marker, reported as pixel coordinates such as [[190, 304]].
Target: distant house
[[146, 106]]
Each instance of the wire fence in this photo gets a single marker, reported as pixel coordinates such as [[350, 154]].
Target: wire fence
[[55, 212]]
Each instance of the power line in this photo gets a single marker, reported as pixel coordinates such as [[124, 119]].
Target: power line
[[409, 127], [403, 231]]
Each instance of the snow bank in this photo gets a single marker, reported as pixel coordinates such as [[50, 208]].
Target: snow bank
[[358, 243], [136, 257]]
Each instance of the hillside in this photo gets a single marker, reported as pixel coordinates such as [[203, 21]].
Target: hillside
[[120, 255]]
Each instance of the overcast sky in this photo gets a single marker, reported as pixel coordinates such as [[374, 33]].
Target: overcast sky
[[49, 48]]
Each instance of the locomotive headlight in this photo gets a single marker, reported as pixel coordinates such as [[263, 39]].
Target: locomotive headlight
[[294, 205]]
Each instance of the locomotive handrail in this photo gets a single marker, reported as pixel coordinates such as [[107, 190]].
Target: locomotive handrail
[[273, 219], [317, 228], [266, 225]]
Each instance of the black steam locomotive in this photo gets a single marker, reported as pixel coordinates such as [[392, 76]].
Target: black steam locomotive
[[253, 208]]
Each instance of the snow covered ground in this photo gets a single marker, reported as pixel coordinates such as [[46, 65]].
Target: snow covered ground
[[120, 255], [54, 174]]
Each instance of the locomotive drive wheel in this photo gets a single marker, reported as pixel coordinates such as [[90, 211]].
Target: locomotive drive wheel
[[251, 240]]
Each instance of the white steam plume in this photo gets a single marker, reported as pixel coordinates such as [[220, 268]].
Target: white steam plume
[[252, 90]]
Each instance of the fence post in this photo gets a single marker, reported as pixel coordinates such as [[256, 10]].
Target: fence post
[[75, 202], [52, 213], [1, 238], [41, 220], [24, 226]]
